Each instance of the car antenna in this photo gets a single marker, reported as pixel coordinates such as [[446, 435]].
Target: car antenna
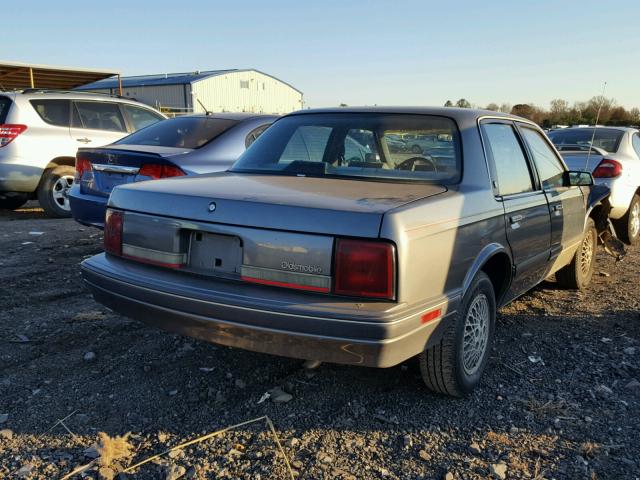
[[593, 135], [208, 112]]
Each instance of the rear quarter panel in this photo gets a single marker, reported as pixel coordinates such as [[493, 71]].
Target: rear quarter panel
[[442, 240]]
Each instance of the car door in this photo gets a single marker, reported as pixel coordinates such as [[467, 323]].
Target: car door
[[526, 212], [567, 205], [95, 123]]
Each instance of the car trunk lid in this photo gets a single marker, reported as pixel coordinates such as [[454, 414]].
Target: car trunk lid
[[118, 165], [326, 206]]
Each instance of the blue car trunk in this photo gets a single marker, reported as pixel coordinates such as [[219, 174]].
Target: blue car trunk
[[115, 166]]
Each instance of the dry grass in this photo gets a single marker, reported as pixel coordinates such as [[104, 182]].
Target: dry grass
[[494, 437], [590, 449], [113, 449], [548, 408]]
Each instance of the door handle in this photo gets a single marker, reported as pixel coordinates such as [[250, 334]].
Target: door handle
[[557, 209], [83, 140], [515, 221]]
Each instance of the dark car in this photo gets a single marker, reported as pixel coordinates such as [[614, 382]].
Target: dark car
[[314, 248], [187, 145]]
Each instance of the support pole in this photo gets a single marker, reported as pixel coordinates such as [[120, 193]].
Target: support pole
[[119, 85], [33, 84]]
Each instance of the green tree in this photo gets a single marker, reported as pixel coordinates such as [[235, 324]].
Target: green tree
[[463, 103], [448, 103], [493, 107]]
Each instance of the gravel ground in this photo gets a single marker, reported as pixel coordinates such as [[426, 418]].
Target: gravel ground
[[560, 397]]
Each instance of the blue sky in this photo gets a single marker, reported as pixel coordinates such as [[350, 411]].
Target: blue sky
[[356, 52]]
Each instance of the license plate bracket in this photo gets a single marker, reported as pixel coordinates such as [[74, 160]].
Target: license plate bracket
[[212, 254]]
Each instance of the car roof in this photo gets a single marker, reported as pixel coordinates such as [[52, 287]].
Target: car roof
[[453, 112], [599, 127], [231, 115], [72, 95]]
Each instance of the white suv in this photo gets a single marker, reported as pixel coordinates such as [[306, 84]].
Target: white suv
[[40, 132]]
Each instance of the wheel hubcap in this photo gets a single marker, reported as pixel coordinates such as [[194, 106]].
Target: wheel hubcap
[[634, 220], [60, 192], [476, 334], [586, 254]]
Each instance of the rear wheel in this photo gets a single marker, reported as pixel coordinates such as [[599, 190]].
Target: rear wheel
[[12, 202], [455, 365], [628, 227], [579, 272], [53, 192]]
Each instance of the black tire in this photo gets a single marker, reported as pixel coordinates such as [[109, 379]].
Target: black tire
[[443, 365], [416, 149], [627, 227], [50, 189], [578, 274], [13, 202]]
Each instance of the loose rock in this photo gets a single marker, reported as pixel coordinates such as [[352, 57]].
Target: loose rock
[[499, 470], [89, 356]]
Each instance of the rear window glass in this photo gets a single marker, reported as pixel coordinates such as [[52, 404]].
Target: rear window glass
[[182, 132], [5, 105], [368, 145], [54, 112], [605, 138]]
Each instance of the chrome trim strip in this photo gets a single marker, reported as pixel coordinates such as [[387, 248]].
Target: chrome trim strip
[[101, 167], [306, 279], [153, 255]]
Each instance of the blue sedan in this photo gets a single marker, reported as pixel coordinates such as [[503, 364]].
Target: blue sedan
[[187, 145]]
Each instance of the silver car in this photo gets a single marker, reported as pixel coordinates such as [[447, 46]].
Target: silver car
[[321, 243], [612, 154], [40, 132]]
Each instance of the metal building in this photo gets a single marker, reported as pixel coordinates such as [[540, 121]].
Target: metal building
[[217, 90]]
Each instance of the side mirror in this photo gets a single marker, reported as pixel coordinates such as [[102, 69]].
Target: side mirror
[[577, 179]]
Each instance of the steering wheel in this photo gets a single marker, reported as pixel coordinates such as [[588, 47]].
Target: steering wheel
[[410, 163]]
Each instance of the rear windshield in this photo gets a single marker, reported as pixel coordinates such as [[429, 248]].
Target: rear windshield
[[181, 132], [5, 105], [366, 145], [606, 138]]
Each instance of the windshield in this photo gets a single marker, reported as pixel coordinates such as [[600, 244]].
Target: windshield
[[368, 145], [606, 138], [181, 132]]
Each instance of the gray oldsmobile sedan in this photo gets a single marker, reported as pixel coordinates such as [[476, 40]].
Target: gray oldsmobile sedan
[[323, 243]]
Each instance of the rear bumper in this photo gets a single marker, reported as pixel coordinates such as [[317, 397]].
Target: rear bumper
[[87, 209], [263, 319]]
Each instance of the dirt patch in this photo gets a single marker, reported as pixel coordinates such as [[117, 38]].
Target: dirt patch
[[558, 399]]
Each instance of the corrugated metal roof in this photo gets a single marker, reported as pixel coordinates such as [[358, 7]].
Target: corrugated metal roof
[[167, 79], [153, 80], [18, 75]]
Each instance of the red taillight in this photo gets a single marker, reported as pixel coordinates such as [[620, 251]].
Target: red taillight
[[156, 171], [608, 168], [113, 232], [364, 269], [82, 165], [8, 133]]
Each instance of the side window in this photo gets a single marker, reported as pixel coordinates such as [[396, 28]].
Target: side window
[[636, 143], [549, 167], [99, 116], [54, 112], [512, 171], [141, 117], [306, 144], [254, 134]]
